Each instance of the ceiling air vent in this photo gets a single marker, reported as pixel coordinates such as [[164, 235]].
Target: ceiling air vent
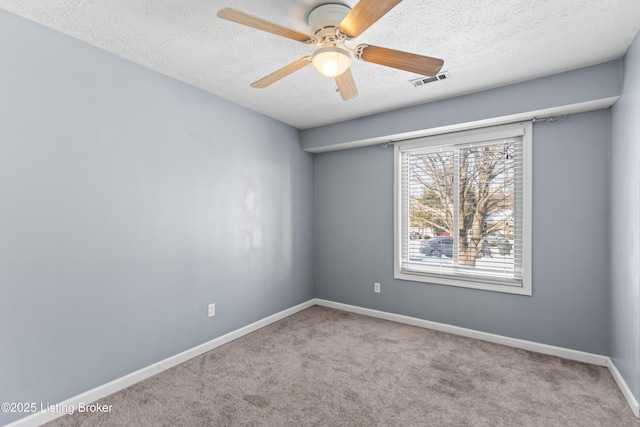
[[424, 80]]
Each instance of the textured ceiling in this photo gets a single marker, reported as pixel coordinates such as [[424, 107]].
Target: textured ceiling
[[485, 43]]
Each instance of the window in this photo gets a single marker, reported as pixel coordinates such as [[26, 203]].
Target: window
[[463, 209]]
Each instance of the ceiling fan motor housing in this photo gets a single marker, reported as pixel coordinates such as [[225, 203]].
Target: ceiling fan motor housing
[[324, 20]]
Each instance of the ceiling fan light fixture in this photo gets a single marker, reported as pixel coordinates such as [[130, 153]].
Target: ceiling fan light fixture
[[331, 61]]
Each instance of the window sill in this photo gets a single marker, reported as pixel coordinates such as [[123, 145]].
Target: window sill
[[485, 286]]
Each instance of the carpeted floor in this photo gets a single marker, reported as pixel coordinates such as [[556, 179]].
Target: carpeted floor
[[324, 367]]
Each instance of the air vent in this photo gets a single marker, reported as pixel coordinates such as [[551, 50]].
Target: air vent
[[424, 80]]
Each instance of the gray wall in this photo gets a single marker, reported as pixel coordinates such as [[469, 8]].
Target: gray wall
[[569, 306], [625, 224], [129, 201]]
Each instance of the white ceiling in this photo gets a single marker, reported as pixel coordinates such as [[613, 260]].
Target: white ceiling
[[484, 43]]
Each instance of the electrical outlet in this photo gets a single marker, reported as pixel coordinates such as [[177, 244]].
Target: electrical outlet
[[376, 288], [212, 310]]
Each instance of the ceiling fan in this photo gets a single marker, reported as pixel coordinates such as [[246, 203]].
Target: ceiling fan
[[331, 25]]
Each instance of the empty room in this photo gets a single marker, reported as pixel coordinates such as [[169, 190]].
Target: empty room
[[302, 212]]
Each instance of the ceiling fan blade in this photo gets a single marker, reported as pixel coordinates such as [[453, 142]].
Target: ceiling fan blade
[[364, 14], [251, 21], [347, 85], [423, 65], [282, 72]]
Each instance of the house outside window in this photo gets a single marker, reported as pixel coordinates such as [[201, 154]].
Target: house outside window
[[463, 209]]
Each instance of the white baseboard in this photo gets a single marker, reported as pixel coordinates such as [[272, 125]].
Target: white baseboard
[[579, 356], [594, 359], [97, 393], [137, 376], [624, 388]]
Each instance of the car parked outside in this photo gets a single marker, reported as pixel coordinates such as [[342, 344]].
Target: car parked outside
[[494, 238], [439, 246]]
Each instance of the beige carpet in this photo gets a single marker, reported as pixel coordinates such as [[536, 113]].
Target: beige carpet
[[324, 367]]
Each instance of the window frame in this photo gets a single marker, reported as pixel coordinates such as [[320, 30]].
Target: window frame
[[477, 135]]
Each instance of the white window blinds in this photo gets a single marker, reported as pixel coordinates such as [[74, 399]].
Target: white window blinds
[[461, 208]]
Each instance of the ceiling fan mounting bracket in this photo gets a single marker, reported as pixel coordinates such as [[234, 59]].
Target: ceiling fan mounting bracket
[[357, 51], [324, 21]]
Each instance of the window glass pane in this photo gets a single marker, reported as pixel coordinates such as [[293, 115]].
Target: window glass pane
[[486, 205], [431, 193]]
